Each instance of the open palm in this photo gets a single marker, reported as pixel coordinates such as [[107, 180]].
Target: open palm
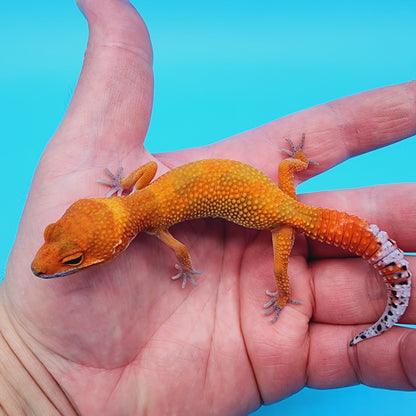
[[124, 339]]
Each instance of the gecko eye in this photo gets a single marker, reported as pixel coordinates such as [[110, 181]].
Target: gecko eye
[[74, 260]]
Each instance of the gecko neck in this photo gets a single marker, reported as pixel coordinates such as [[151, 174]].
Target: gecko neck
[[142, 209]]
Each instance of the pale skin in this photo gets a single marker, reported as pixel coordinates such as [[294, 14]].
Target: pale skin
[[123, 338]]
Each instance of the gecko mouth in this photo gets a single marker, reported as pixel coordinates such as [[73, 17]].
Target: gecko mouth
[[53, 276], [43, 275]]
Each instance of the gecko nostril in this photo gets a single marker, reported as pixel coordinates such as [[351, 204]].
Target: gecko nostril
[[36, 270]]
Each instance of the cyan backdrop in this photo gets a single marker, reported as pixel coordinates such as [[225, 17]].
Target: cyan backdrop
[[220, 68]]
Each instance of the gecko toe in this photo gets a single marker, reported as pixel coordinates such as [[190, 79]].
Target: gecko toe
[[186, 275], [114, 182]]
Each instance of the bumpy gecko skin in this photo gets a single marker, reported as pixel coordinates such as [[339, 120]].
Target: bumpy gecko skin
[[94, 231]]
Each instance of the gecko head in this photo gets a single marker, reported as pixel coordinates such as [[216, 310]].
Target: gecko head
[[84, 236]]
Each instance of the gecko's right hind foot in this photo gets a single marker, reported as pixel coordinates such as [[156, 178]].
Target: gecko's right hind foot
[[295, 149]]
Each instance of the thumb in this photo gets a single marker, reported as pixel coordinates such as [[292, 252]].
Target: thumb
[[109, 113], [105, 123]]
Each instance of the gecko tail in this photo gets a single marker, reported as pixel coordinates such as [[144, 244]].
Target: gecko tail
[[390, 262], [397, 303], [366, 240]]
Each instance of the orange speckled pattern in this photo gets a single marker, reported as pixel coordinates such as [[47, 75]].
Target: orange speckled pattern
[[218, 188], [94, 231]]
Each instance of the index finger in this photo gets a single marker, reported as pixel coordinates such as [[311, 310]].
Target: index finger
[[335, 130]]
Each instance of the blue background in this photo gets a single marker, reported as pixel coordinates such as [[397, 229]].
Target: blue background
[[220, 68]]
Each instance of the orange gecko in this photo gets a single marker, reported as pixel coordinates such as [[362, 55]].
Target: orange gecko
[[94, 231]]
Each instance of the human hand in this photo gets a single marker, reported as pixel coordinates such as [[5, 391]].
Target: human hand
[[123, 338]]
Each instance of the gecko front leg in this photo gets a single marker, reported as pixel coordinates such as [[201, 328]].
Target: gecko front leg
[[114, 182], [186, 271], [139, 178], [186, 274]]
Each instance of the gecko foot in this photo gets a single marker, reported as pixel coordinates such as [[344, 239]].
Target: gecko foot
[[114, 183], [293, 149], [186, 275], [274, 307]]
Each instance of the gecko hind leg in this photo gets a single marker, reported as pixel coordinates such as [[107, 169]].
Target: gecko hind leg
[[274, 307], [296, 152], [283, 238]]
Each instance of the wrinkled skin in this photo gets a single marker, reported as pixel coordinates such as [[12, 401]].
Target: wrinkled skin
[[122, 338]]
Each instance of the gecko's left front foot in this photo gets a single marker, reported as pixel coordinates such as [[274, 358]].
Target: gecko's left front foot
[[186, 275], [275, 306]]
